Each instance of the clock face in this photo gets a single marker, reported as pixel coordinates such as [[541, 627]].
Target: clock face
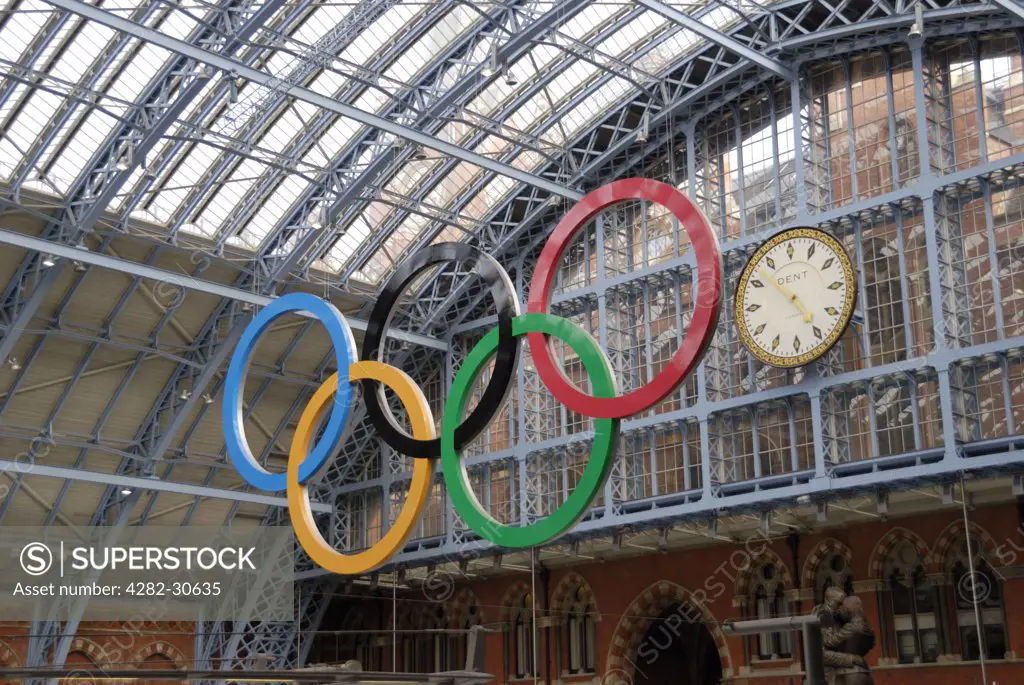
[[795, 297]]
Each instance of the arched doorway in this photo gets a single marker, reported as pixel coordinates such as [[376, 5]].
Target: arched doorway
[[159, 662], [678, 649], [666, 620]]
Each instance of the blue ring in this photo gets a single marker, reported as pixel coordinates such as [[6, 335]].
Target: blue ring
[[234, 385]]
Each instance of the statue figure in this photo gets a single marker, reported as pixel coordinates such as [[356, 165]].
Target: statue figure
[[846, 639]]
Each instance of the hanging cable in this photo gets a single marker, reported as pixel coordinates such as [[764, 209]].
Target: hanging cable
[[394, 627], [533, 607], [974, 583]]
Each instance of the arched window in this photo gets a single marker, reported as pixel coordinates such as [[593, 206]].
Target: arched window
[[834, 571], [522, 638], [883, 294], [912, 603], [159, 662], [357, 642], [458, 650], [580, 633], [986, 588], [436, 655], [423, 646], [768, 599], [408, 646]]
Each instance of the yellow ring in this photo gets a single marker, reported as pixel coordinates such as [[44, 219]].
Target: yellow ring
[[299, 511]]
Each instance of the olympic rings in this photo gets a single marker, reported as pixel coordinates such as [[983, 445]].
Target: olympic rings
[[705, 312], [234, 385], [602, 450], [318, 549], [457, 430], [504, 295]]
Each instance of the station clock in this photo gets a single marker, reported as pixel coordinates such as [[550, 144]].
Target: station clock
[[795, 297]]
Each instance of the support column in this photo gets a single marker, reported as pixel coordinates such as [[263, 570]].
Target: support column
[[945, 616], [870, 592], [1013, 608]]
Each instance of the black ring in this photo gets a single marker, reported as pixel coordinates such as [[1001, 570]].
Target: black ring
[[505, 364]]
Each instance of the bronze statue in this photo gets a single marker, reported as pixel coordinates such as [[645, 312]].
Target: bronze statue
[[846, 639]]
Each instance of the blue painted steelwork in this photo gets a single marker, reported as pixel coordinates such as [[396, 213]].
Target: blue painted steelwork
[[827, 475], [750, 54], [366, 13], [160, 106], [341, 187], [939, 374]]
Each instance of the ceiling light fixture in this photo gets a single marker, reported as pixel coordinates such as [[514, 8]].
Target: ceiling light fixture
[[207, 399], [147, 170], [13, 363], [124, 159], [917, 28], [49, 260], [510, 78], [125, 492], [643, 133], [491, 67], [232, 78], [184, 394], [420, 155], [79, 267]]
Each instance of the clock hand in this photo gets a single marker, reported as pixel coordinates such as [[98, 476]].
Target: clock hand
[[792, 297]]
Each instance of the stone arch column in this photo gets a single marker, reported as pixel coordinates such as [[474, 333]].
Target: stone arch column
[[92, 651], [889, 542], [563, 595], [822, 550], [512, 594], [633, 625], [164, 649], [744, 579], [982, 544], [458, 607]]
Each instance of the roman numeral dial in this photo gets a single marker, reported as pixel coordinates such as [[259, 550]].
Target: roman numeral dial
[[795, 297]]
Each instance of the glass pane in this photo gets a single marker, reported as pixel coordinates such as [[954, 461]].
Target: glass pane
[[925, 597], [929, 646], [902, 597], [905, 646]]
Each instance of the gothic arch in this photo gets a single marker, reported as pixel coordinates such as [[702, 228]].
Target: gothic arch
[[885, 546], [981, 541], [564, 592], [823, 549], [458, 607], [91, 650], [360, 620], [633, 625], [743, 579], [512, 593], [163, 648]]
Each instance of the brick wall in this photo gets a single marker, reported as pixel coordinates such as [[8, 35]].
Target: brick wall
[[625, 593], [103, 645]]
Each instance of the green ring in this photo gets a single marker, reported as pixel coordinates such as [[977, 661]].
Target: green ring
[[602, 450]]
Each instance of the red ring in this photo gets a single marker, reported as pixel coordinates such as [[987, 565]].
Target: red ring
[[705, 315]]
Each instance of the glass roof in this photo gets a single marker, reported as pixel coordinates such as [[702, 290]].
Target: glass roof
[[241, 158]]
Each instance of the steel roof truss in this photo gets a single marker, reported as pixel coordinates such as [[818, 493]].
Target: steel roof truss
[[110, 20], [340, 198]]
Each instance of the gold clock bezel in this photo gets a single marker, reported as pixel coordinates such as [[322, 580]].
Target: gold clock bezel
[[846, 316]]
